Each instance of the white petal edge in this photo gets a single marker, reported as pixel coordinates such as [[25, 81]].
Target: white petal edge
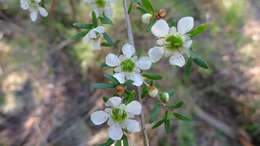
[[177, 59], [155, 54], [34, 15], [100, 29], [187, 44], [43, 12], [24, 4], [128, 50], [120, 77], [137, 78], [134, 108], [99, 117], [112, 60], [114, 101], [185, 24], [132, 125], [144, 63], [115, 132], [160, 28]]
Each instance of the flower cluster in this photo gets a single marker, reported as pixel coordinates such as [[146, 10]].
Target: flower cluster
[[34, 7]]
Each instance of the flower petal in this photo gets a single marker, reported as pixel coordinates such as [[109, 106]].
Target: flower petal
[[177, 59], [120, 77], [43, 12], [99, 117], [100, 29], [115, 132], [160, 28], [137, 78], [187, 44], [185, 24], [155, 53], [95, 44], [112, 60], [132, 126], [128, 50], [24, 4], [114, 101], [144, 63], [134, 108], [34, 15]]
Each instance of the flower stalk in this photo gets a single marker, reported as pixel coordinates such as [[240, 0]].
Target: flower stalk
[[131, 41]]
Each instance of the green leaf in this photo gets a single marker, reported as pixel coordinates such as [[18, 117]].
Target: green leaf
[[103, 86], [111, 78], [152, 76], [109, 142], [130, 8], [148, 6], [108, 39], [105, 99], [128, 82], [144, 91], [118, 143], [176, 105], [159, 123], [103, 65], [167, 126], [155, 112], [83, 26], [125, 141], [105, 20], [188, 68], [181, 117], [79, 35], [94, 19], [199, 61], [199, 29]]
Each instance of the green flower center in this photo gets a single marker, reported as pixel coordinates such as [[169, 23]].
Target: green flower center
[[127, 65], [174, 42], [119, 115], [100, 3]]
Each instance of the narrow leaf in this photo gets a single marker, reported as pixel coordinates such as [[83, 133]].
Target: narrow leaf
[[103, 86], [167, 126], [159, 123], [108, 39], [94, 19], [79, 35], [152, 76], [188, 68], [105, 20], [176, 105], [199, 61], [148, 6], [83, 26], [199, 29], [125, 141], [109, 142], [111, 78], [118, 143], [155, 112], [181, 117]]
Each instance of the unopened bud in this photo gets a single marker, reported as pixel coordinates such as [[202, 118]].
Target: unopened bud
[[162, 13], [120, 90], [146, 18], [164, 97], [153, 91]]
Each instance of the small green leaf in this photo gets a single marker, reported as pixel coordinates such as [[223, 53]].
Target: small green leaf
[[167, 126], [176, 105], [105, 99], [103, 65], [125, 141], [118, 143], [109, 142], [199, 61], [83, 26], [111, 78], [144, 91], [105, 20], [159, 123], [188, 68], [103, 86], [108, 39], [130, 8], [155, 112], [148, 6], [79, 35], [199, 29], [94, 19], [181, 117], [152, 76]]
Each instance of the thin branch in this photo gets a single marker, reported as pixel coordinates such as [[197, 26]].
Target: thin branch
[[131, 41]]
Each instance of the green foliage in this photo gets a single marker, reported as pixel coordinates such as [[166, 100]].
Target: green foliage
[[181, 117], [176, 105], [186, 135], [103, 86], [112, 79], [198, 30], [125, 141], [79, 35], [152, 76], [147, 5], [108, 39], [155, 112], [109, 142], [118, 143], [188, 68]]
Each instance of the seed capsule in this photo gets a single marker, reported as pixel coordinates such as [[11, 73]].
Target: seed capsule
[[162, 13], [153, 91], [120, 90], [164, 97], [146, 18]]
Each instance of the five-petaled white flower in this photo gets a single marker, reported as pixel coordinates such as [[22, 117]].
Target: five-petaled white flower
[[101, 7], [93, 37], [172, 41], [34, 7], [119, 117], [128, 66]]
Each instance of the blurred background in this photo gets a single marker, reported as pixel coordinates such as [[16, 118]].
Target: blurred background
[[46, 79]]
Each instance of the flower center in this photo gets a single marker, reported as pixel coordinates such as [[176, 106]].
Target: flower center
[[127, 65], [119, 115], [100, 3], [174, 42]]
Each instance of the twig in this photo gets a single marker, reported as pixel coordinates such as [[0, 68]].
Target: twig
[[131, 41]]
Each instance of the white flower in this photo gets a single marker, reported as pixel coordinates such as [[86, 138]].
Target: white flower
[[119, 117], [172, 40], [128, 66], [101, 7], [93, 37], [34, 8]]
